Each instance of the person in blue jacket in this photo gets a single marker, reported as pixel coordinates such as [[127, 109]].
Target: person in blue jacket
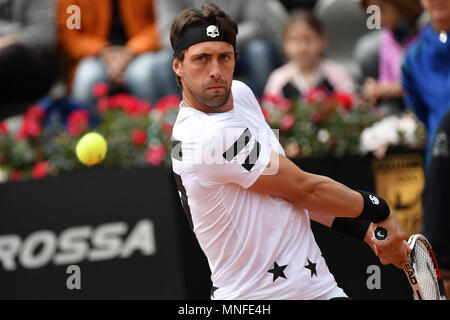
[[426, 82], [436, 207], [426, 70]]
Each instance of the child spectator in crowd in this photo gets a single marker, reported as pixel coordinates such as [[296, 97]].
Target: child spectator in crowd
[[399, 20], [117, 43], [27, 47], [304, 43]]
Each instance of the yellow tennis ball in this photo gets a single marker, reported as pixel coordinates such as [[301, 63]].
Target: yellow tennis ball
[[91, 149]]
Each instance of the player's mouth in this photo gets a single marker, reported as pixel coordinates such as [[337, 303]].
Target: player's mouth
[[215, 87]]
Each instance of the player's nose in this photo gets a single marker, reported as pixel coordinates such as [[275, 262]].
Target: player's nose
[[215, 72]]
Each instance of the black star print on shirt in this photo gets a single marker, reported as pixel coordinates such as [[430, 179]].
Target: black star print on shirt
[[277, 271], [311, 266], [213, 290]]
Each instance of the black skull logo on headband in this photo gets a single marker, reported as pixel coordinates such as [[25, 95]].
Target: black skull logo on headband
[[212, 31], [194, 34]]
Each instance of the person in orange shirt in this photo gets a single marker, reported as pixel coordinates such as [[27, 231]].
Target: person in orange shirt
[[117, 43]]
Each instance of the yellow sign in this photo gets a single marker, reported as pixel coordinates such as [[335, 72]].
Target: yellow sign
[[400, 179]]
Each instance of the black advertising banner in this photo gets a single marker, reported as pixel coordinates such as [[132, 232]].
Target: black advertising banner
[[102, 234]]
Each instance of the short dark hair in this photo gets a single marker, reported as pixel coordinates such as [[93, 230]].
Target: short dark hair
[[207, 13], [304, 16]]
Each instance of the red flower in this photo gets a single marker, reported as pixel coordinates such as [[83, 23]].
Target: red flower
[[129, 105], [143, 107], [30, 128], [139, 137], [78, 122], [168, 102], [344, 99], [278, 101], [101, 89], [316, 117], [3, 128], [103, 104], [124, 101], [40, 170], [31, 123], [117, 101], [35, 113], [316, 95], [33, 128], [155, 155], [16, 175], [287, 122]]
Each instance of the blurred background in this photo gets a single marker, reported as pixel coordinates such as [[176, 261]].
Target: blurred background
[[337, 78]]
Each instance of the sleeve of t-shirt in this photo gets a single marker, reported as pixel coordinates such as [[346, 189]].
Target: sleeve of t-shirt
[[411, 94], [232, 155], [247, 97]]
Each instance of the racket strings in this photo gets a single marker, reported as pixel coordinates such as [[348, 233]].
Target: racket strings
[[425, 271]]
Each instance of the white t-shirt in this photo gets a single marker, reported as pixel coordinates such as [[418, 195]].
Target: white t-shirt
[[257, 246]]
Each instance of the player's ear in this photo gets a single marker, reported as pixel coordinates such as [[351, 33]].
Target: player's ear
[[176, 66]]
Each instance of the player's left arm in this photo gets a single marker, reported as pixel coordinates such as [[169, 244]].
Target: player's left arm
[[358, 229]]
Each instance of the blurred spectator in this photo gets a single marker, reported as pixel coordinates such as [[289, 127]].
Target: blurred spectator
[[304, 43], [426, 74], [117, 44], [366, 53], [259, 22], [27, 43], [399, 29], [344, 23], [436, 207], [426, 69], [292, 5]]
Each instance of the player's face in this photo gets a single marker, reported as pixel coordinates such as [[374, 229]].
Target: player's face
[[303, 45], [207, 72], [439, 10]]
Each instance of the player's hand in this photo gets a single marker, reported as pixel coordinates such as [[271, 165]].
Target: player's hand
[[368, 238], [394, 249]]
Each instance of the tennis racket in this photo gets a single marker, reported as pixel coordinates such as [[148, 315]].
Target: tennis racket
[[422, 271]]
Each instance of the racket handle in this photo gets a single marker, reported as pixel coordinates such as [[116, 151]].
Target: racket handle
[[380, 234]]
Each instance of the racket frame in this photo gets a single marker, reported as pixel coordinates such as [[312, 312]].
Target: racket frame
[[409, 270], [410, 273]]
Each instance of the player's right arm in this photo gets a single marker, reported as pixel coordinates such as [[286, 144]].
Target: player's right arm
[[327, 198], [316, 193]]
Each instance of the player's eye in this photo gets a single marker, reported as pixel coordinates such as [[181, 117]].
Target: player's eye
[[200, 59]]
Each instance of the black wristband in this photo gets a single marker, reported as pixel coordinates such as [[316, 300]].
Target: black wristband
[[375, 208], [356, 228]]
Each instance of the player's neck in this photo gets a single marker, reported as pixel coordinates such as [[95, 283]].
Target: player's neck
[[191, 102]]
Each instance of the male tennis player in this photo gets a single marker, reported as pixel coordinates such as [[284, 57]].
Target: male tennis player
[[249, 205]]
